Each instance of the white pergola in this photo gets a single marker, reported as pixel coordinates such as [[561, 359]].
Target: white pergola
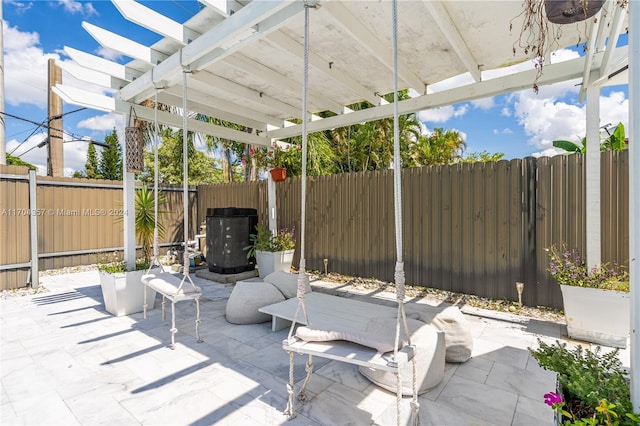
[[243, 60]]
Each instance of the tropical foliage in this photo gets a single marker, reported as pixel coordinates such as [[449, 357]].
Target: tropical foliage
[[264, 240], [614, 142], [15, 161], [359, 147]]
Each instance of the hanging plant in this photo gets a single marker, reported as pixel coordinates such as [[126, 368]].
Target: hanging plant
[[543, 22]]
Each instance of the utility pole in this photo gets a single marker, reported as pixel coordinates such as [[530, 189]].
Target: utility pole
[[55, 157], [3, 141]]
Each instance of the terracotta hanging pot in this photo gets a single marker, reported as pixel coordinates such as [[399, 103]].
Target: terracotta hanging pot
[[278, 174]]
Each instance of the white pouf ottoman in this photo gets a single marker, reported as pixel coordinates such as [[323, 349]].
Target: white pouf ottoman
[[245, 300], [430, 361]]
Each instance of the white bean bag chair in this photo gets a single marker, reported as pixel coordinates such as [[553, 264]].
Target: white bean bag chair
[[457, 333], [287, 283], [430, 358], [247, 297]]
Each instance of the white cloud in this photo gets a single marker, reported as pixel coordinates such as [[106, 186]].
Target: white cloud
[[545, 119], [506, 112], [20, 7], [109, 54], [505, 131], [104, 122], [29, 152], [484, 104], [83, 8], [74, 153], [442, 114], [25, 66]]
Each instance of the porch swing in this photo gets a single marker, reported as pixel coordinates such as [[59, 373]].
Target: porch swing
[[349, 346], [169, 285]]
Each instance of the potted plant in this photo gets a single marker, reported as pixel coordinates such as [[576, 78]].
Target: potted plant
[[273, 252], [274, 159], [592, 387], [122, 290], [596, 302]]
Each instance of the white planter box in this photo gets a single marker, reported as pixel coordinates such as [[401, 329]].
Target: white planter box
[[598, 316], [269, 262], [123, 292]]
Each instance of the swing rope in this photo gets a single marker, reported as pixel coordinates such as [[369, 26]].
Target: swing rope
[[290, 410], [399, 275]]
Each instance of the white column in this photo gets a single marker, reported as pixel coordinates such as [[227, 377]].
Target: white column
[[634, 197], [128, 201], [3, 146], [33, 227], [271, 198], [593, 177]]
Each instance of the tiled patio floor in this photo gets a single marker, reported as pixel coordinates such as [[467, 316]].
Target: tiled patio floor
[[65, 361]]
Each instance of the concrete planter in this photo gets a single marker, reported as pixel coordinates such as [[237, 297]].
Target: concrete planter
[[597, 316], [123, 292], [269, 262]]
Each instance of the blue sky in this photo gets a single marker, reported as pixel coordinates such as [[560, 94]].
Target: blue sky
[[518, 124]]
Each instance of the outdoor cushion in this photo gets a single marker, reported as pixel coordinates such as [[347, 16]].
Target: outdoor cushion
[[247, 297], [287, 283], [380, 337], [169, 284], [457, 333], [429, 357]]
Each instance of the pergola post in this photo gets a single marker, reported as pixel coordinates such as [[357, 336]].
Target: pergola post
[[634, 197], [593, 225], [128, 200], [271, 200]]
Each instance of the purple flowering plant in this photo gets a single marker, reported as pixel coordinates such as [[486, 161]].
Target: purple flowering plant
[[567, 267], [592, 386]]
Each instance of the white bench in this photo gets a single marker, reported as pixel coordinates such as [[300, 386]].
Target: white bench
[[175, 288]]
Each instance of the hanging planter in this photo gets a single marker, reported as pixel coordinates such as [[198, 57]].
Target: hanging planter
[[278, 174], [134, 145]]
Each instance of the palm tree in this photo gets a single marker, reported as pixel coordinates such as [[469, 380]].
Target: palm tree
[[439, 147]]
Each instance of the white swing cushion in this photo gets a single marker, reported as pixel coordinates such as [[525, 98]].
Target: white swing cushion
[[429, 358], [457, 332], [168, 284], [247, 297], [380, 336], [287, 283]]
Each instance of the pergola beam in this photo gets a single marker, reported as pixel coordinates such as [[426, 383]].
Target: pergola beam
[[123, 45], [291, 46], [208, 110], [354, 27], [207, 48], [553, 73], [102, 65], [154, 21], [91, 76], [277, 79], [244, 92], [94, 101], [441, 16], [196, 95]]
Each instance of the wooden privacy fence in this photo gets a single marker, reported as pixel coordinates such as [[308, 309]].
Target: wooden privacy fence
[[470, 228], [78, 221]]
